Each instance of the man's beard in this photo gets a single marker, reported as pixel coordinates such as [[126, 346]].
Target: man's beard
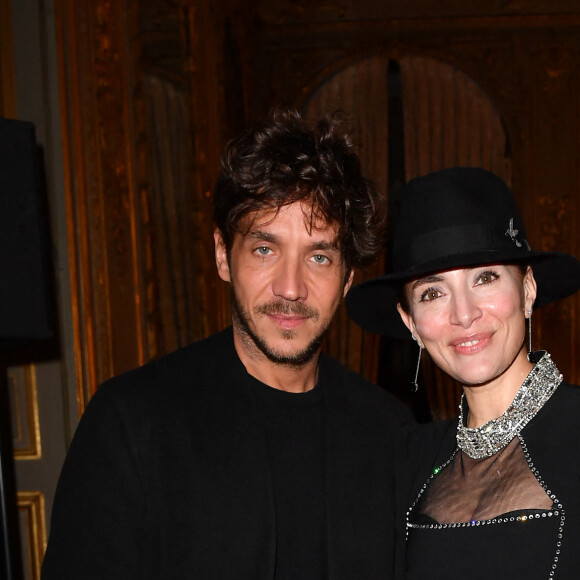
[[297, 359]]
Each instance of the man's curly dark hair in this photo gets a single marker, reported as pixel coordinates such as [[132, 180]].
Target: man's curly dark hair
[[283, 160]]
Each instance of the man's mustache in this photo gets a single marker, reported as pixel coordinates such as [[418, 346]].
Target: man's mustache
[[288, 309]]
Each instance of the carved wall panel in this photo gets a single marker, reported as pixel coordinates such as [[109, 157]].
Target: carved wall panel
[[142, 111], [7, 81], [32, 532], [181, 70], [449, 121], [97, 84], [170, 225], [25, 425], [26, 443]]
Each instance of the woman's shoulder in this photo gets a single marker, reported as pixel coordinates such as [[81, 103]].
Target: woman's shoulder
[[567, 397], [561, 410], [569, 389], [426, 444], [420, 450]]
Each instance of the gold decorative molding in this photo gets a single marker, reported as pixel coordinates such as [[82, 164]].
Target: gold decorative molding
[[7, 74], [22, 392], [118, 91], [31, 512], [98, 100]]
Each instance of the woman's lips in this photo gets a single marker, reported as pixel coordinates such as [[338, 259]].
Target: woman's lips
[[471, 344]]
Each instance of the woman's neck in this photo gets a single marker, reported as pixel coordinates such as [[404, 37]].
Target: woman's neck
[[488, 401]]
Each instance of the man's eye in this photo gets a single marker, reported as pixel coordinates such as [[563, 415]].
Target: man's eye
[[263, 250], [320, 259]]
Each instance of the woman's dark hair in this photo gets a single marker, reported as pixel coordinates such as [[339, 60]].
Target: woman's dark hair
[[283, 160]]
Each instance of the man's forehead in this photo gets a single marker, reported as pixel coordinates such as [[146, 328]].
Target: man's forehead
[[313, 221]]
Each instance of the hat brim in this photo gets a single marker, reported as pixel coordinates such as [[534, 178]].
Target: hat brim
[[372, 304]]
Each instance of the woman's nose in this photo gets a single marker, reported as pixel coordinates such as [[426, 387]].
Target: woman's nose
[[464, 309]]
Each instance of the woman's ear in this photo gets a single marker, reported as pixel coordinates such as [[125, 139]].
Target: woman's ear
[[530, 289], [221, 256], [409, 323]]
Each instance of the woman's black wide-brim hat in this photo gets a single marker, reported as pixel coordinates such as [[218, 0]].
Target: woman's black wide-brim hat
[[456, 218]]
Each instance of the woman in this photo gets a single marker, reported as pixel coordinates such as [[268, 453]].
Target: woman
[[501, 496]]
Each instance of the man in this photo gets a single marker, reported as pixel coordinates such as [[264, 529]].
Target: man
[[249, 454]]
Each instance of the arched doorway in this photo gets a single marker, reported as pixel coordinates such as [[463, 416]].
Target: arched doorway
[[412, 115]]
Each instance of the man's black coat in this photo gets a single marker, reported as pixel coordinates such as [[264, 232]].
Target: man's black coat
[[167, 476]]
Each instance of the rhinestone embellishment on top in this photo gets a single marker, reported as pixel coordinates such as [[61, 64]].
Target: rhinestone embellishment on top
[[488, 439], [557, 510]]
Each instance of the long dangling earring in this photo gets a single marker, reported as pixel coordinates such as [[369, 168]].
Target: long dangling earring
[[415, 383], [531, 357]]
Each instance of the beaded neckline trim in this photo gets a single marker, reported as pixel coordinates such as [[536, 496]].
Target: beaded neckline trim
[[488, 439], [556, 511]]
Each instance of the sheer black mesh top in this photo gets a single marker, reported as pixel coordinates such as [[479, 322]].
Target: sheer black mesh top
[[482, 489]]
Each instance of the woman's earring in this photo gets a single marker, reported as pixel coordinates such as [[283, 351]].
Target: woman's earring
[[415, 386], [530, 352]]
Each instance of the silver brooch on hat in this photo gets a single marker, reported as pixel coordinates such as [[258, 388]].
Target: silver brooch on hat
[[513, 234]]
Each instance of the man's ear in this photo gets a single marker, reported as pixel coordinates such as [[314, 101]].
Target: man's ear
[[221, 256], [348, 283]]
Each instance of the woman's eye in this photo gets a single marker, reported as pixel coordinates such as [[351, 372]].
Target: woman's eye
[[487, 277], [320, 258], [430, 294]]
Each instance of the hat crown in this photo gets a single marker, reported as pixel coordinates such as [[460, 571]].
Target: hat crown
[[455, 213]]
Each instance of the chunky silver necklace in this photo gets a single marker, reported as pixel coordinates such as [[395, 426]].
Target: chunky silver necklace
[[488, 439]]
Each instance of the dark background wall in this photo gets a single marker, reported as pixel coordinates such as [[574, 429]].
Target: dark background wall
[[135, 99], [152, 89]]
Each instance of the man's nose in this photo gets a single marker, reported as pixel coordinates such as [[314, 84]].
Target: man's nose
[[289, 281]]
